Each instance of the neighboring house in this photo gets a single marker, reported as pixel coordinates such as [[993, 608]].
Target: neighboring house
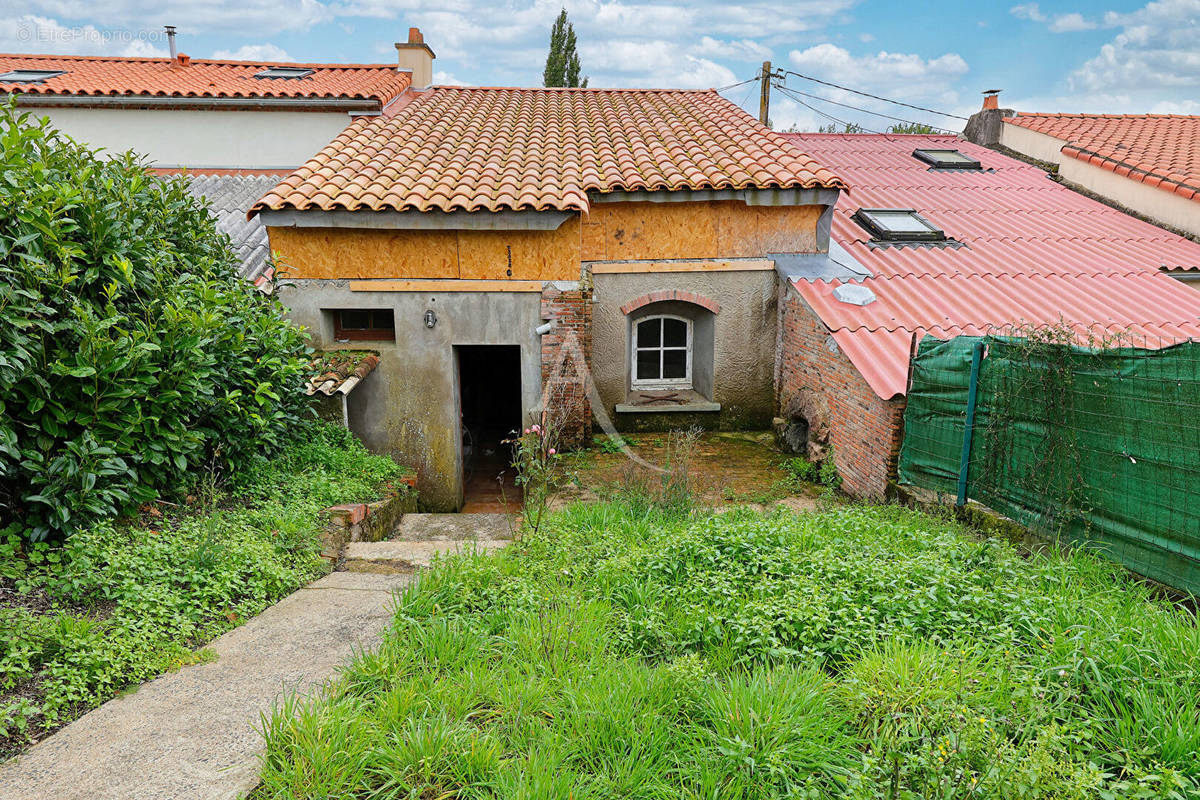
[[493, 243], [941, 237], [1147, 163]]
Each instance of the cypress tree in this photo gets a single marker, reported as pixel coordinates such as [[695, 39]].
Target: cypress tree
[[562, 62]]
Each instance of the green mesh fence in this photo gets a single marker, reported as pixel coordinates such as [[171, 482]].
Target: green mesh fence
[[1099, 447]]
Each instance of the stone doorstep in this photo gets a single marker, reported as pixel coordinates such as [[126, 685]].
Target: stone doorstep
[[402, 557]]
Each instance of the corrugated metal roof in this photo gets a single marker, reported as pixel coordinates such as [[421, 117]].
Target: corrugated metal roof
[[1034, 252], [230, 197]]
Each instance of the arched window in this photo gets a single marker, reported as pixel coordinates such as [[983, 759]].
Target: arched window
[[662, 352]]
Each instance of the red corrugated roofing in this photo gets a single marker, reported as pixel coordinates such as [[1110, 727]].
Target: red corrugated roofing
[[490, 149], [164, 77], [1034, 252], [1161, 150]]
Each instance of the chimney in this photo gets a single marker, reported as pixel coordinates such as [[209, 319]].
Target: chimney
[[171, 40], [416, 57], [985, 124]]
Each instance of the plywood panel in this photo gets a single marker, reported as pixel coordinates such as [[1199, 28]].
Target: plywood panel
[[658, 230], [336, 253], [788, 229], [592, 237], [536, 255]]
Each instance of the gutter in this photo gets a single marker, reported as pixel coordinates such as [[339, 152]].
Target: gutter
[[207, 103]]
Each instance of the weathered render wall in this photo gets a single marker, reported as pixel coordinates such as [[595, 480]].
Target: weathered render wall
[[362, 253], [726, 229], [743, 344], [818, 382], [1031, 143], [408, 407], [1160, 205]]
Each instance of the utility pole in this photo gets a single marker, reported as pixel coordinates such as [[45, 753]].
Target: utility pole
[[764, 100]]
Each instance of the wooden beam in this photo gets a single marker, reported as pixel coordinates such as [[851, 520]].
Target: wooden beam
[[418, 285], [627, 267]]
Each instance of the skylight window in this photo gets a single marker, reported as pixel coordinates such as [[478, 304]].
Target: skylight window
[[898, 225], [30, 75], [947, 159], [284, 72]]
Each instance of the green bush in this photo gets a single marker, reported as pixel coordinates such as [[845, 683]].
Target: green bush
[[132, 355], [128, 603], [858, 653]]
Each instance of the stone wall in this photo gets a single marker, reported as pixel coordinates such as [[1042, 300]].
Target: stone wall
[[817, 383], [566, 356]]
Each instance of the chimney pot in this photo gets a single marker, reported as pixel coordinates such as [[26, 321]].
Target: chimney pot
[[183, 60], [991, 98], [416, 57], [415, 37]]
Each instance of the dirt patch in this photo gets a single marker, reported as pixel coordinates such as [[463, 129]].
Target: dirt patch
[[726, 469]]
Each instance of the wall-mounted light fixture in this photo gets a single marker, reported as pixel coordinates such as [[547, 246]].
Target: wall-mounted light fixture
[[430, 318]]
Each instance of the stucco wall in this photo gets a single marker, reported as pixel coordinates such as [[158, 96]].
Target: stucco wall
[[262, 139], [743, 336], [1031, 143], [408, 407], [1158, 204]]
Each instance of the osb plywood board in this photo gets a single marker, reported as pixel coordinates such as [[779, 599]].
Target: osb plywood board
[[726, 229], [535, 255], [592, 236], [426, 286], [339, 253], [630, 267]]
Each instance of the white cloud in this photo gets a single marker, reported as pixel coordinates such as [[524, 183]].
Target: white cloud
[[1059, 23], [254, 52], [441, 78], [33, 34], [263, 17], [739, 50], [1155, 50]]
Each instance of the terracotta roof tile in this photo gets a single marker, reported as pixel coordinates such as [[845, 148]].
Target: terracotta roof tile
[[1159, 149], [163, 77], [474, 149], [1035, 253]]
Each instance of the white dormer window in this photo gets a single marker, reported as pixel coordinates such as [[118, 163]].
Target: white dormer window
[[662, 353]]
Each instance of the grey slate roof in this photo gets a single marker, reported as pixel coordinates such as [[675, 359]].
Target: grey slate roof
[[231, 197]]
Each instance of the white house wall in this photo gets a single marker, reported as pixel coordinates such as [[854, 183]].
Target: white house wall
[[1031, 143], [175, 138], [1158, 204]]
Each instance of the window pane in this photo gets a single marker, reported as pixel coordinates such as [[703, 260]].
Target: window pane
[[383, 320], [674, 333], [355, 320], [647, 365], [674, 363], [899, 222], [649, 333]]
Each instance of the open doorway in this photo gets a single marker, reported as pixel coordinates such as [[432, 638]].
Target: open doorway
[[489, 390]]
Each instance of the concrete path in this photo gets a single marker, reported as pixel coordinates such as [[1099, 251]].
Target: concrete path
[[192, 734]]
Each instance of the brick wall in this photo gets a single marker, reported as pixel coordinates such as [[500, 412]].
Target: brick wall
[[815, 377], [566, 359]]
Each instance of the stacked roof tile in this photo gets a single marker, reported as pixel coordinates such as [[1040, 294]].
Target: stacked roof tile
[[164, 77], [1161, 150], [497, 149], [229, 198], [339, 371], [1035, 253]]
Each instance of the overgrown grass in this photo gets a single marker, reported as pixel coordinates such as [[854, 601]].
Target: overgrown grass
[[120, 603], [863, 653]]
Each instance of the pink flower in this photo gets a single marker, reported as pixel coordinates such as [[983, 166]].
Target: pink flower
[[527, 430], [552, 451], [536, 429]]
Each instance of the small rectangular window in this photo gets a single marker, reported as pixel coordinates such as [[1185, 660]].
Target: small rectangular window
[[30, 75], [662, 353], [284, 72], [366, 324], [947, 159], [898, 225]]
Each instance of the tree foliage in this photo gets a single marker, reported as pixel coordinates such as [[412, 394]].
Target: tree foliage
[[133, 358], [562, 62]]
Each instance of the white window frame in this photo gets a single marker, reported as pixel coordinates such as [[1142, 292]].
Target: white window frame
[[660, 383]]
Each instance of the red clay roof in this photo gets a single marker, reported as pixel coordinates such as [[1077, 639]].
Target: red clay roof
[[163, 77], [1035, 253], [1162, 150], [491, 149]]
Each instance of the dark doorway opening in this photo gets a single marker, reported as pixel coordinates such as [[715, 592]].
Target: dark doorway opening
[[489, 388]]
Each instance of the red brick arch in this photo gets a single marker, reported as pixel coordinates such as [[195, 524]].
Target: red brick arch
[[671, 294]]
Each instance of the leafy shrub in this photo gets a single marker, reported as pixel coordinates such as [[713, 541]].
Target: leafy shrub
[[858, 653], [128, 603], [132, 354]]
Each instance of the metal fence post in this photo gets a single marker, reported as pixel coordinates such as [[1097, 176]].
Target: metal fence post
[[969, 423]]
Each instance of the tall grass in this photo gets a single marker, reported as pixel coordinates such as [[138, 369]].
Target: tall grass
[[863, 653]]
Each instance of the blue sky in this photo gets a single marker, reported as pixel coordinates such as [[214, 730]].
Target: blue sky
[[1046, 56]]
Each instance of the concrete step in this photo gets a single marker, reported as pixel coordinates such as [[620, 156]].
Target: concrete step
[[402, 557], [454, 527]]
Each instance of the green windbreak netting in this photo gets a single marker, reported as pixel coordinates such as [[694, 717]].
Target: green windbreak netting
[[1097, 446]]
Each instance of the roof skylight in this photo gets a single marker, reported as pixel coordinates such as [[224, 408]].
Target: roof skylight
[[284, 72], [898, 225], [30, 75], [946, 159]]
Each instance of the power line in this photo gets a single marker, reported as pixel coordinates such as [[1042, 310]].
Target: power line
[[788, 92], [872, 96], [793, 92], [739, 83]]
